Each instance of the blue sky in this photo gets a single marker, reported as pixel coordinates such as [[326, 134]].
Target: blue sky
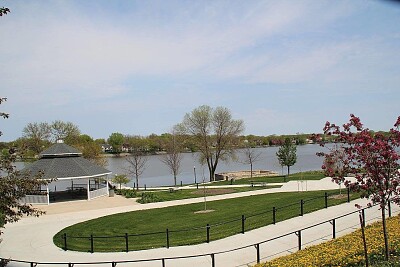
[[137, 67]]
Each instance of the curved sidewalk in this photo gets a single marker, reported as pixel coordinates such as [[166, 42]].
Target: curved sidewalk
[[31, 239]]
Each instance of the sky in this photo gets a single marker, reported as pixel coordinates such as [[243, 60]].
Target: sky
[[137, 67]]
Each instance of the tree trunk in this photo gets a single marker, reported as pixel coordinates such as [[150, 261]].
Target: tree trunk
[[212, 174], [385, 237], [175, 179], [137, 182], [251, 170]]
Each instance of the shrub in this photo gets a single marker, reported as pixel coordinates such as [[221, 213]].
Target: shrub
[[148, 197], [128, 193]]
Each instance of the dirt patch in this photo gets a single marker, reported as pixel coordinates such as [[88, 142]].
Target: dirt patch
[[212, 191], [203, 211]]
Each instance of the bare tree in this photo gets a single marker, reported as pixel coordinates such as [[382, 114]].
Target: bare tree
[[250, 157], [214, 132], [137, 160], [174, 156]]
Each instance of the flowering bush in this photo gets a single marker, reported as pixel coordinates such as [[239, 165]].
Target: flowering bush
[[346, 251]]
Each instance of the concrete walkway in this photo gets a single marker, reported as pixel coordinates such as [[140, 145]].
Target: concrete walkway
[[31, 238]]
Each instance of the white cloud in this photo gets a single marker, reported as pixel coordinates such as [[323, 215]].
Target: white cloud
[[59, 56]]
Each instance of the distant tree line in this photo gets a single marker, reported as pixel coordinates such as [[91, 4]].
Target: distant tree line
[[38, 136]]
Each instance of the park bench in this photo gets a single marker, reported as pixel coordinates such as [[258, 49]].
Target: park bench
[[253, 183]]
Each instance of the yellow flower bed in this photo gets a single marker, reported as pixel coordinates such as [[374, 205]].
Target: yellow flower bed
[[345, 251]]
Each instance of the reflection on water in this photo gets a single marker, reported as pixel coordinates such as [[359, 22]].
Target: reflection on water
[[157, 173]]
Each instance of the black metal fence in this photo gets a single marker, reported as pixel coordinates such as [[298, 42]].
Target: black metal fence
[[211, 256], [201, 234]]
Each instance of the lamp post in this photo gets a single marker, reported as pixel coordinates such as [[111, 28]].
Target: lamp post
[[195, 179]]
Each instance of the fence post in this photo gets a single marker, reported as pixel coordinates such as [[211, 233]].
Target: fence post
[[348, 195], [167, 238], [334, 228], [208, 234], [163, 262], [70, 265], [197, 185], [91, 244], [181, 183], [326, 200], [258, 252], [145, 187], [113, 264], [274, 215], [301, 207], [126, 242], [212, 260], [65, 241], [299, 238], [243, 219], [389, 209], [363, 217], [362, 222]]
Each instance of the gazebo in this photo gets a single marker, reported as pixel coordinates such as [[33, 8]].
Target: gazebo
[[74, 177]]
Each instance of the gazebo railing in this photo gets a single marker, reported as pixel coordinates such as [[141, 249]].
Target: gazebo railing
[[98, 193], [35, 199]]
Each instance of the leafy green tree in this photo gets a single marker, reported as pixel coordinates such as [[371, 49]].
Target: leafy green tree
[[100, 141], [116, 140], [37, 135], [120, 179], [287, 155], [90, 149], [67, 131], [214, 132]]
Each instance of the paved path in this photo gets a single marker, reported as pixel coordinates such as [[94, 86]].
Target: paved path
[[31, 238]]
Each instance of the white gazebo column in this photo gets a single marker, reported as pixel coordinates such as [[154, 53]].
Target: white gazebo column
[[48, 194], [108, 189], [88, 189]]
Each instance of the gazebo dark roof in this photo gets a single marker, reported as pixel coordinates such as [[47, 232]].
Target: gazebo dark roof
[[60, 149], [64, 162]]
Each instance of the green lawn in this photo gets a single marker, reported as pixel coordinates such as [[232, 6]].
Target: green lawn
[[308, 175], [166, 195], [187, 227]]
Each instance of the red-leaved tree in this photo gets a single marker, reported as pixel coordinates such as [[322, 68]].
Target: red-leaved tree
[[372, 158]]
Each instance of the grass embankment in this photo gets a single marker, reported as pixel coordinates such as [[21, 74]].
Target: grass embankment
[[347, 251], [150, 196], [307, 175], [185, 225], [167, 195]]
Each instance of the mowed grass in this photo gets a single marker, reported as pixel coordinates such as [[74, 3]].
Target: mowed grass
[[185, 225], [307, 175], [166, 195]]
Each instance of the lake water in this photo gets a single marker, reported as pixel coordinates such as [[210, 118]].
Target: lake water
[[158, 174]]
